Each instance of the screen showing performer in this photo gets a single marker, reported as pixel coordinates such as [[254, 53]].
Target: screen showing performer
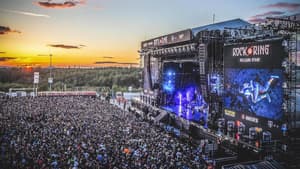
[[256, 91]]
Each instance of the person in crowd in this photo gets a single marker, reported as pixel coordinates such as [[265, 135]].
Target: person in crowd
[[85, 133]]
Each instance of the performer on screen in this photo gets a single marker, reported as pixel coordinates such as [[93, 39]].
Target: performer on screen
[[256, 92]]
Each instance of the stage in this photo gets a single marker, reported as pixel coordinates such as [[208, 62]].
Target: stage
[[186, 113]]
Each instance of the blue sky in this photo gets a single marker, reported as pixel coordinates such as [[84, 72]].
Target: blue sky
[[112, 28]]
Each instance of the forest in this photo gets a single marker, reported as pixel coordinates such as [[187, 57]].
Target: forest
[[116, 78]]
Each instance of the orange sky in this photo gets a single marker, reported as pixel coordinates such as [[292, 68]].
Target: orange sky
[[83, 32], [26, 49]]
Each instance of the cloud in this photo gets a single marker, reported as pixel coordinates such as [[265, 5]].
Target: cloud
[[256, 20], [5, 58], [111, 62], [284, 5], [43, 55], [6, 30], [66, 46], [2, 52], [26, 13], [65, 4], [262, 17], [107, 57], [105, 62], [270, 13]]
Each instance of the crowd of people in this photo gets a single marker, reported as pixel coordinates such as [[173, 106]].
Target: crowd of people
[[84, 132]]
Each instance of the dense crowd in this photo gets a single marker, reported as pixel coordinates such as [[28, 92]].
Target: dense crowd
[[83, 132]]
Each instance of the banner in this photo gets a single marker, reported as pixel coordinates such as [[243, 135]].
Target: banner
[[36, 76], [173, 38]]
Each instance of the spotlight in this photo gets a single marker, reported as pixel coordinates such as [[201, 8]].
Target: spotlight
[[192, 47], [179, 49], [284, 85], [180, 97], [188, 48]]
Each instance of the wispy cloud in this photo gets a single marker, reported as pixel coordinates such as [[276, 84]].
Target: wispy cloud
[[270, 13], [284, 5], [6, 30], [111, 62], [5, 58], [262, 17], [66, 46], [107, 57], [256, 20], [2, 52], [25, 13], [43, 55], [59, 5]]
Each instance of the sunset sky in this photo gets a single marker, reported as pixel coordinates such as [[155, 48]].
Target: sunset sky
[[82, 32]]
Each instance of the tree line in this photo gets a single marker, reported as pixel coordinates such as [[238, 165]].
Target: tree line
[[72, 78]]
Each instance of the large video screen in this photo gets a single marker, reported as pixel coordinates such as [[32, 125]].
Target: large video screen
[[253, 78], [257, 92], [179, 76]]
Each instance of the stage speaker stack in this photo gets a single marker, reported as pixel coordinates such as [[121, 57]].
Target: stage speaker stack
[[202, 55]]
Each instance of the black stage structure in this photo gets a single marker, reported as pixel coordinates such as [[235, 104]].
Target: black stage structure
[[232, 82]]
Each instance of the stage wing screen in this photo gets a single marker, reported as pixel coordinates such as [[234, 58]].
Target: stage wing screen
[[253, 80]]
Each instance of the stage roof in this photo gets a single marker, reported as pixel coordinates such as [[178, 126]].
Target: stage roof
[[234, 23], [188, 34]]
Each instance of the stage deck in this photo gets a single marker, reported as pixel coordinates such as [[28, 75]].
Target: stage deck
[[184, 112]]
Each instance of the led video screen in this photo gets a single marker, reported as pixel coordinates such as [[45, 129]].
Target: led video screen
[[178, 76], [253, 77], [254, 91]]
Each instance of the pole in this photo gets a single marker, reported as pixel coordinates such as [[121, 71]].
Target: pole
[[50, 84], [33, 89], [36, 90]]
